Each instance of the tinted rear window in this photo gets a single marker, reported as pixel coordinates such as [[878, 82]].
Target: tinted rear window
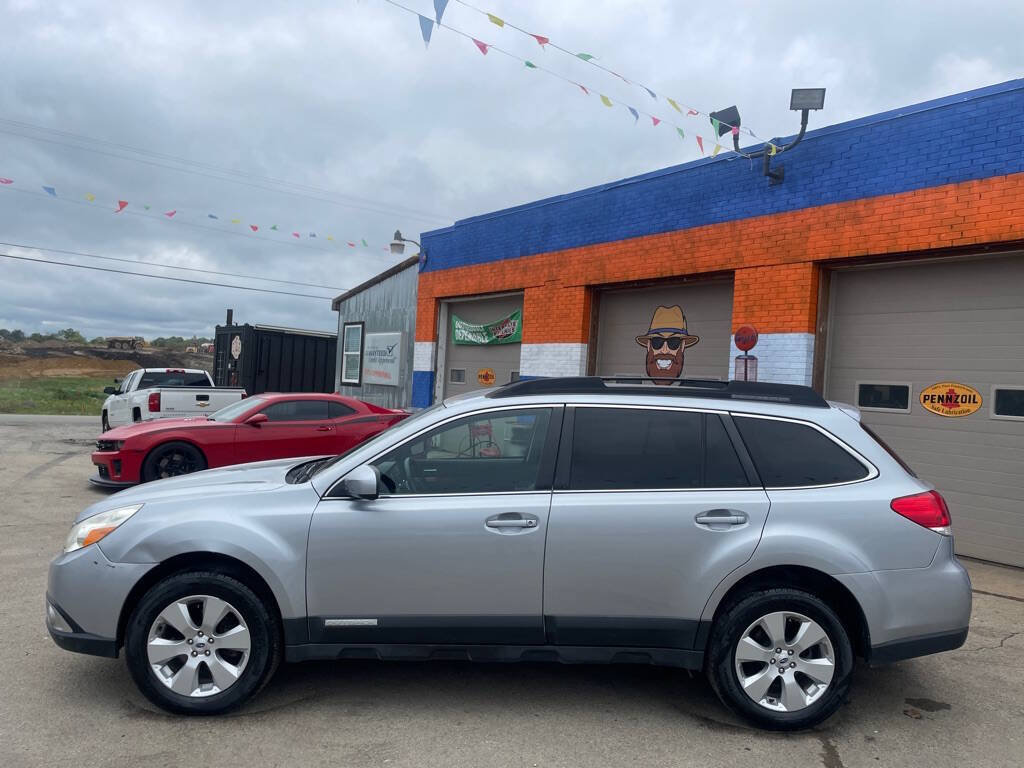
[[173, 379], [788, 454], [630, 449], [336, 410]]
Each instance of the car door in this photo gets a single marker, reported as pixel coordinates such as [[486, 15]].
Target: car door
[[652, 508], [298, 427], [119, 410], [453, 549]]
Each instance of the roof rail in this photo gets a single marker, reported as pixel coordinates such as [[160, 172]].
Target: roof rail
[[790, 394]]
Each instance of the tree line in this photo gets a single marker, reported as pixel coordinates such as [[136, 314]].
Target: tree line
[[73, 336]]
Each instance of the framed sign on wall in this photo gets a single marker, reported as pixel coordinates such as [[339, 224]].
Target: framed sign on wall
[[382, 359]]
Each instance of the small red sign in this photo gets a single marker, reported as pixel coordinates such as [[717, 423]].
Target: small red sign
[[746, 337]]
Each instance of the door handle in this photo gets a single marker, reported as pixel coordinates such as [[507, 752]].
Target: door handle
[[514, 523], [323, 429], [721, 517]]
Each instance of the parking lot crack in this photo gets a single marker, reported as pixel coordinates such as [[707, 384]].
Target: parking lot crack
[[994, 647]]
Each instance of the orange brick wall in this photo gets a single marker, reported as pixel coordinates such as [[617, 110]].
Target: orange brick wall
[[775, 259]]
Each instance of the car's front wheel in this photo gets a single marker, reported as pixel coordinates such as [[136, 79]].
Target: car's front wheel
[[201, 643], [780, 658], [171, 460]]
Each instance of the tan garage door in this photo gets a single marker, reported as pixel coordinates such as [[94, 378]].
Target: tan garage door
[[656, 316], [898, 330], [472, 366]]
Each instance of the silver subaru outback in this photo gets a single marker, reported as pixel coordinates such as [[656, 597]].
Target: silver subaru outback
[[752, 531]]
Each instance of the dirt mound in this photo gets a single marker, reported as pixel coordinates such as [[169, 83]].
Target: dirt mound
[[56, 359]]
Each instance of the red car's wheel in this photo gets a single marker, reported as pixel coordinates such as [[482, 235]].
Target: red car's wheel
[[171, 460]]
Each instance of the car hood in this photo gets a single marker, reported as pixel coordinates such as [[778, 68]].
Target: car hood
[[226, 481], [159, 425]]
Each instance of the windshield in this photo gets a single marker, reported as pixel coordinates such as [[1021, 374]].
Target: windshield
[[379, 438], [230, 412]]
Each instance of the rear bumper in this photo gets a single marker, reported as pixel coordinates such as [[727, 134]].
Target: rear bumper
[[922, 645]]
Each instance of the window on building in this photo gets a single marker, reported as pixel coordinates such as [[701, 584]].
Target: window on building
[[352, 354], [484, 453], [297, 410], [632, 449], [457, 376], [883, 396], [789, 455], [1008, 402]]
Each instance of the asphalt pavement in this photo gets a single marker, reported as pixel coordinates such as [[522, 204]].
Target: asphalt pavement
[[962, 708]]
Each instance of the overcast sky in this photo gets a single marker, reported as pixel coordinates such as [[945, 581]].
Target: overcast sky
[[342, 97]]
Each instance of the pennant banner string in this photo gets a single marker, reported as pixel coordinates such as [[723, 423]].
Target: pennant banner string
[[606, 100], [595, 62], [123, 207]]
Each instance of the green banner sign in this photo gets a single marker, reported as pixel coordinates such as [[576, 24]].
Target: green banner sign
[[507, 330]]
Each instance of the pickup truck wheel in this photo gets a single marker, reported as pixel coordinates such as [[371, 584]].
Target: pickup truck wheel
[[171, 460], [201, 643]]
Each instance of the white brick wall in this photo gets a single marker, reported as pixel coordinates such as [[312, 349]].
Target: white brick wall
[[553, 360], [782, 358], [423, 356]]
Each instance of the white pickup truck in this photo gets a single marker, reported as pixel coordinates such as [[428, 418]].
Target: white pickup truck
[[163, 393]]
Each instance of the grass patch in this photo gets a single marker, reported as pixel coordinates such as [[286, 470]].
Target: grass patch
[[59, 395]]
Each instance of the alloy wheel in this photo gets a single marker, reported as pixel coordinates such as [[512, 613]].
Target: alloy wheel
[[174, 462], [198, 646], [784, 661]]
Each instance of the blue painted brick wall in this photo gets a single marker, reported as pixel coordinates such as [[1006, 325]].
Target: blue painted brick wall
[[958, 138]]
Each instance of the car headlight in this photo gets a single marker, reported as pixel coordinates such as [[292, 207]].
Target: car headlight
[[94, 528]]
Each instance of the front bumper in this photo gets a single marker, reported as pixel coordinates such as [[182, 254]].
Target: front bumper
[[85, 595], [116, 469]]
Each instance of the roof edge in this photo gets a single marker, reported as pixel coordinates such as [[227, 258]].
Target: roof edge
[[389, 272]]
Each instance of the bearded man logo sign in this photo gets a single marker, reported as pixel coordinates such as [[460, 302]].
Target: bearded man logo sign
[[665, 341]]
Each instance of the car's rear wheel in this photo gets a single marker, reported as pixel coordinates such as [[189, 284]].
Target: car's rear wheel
[[171, 460], [201, 643], [780, 658]]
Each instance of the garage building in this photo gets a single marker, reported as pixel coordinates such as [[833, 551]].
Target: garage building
[[886, 269]]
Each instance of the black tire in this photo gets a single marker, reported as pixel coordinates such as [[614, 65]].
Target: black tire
[[264, 633], [729, 629], [171, 460], [104, 423]]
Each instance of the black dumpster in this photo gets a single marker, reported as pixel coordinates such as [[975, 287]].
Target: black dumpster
[[264, 358]]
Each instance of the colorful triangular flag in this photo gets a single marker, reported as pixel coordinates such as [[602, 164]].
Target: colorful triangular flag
[[674, 105], [655, 120], [426, 27], [540, 39], [50, 191], [364, 243], [121, 205], [482, 46], [582, 88], [439, 6], [295, 234], [605, 100], [634, 113], [584, 56], [6, 181], [254, 228], [147, 207], [352, 245], [170, 214], [495, 20], [735, 130], [274, 227], [700, 143], [692, 112], [90, 196], [530, 64], [236, 221], [211, 216], [312, 234], [717, 149], [714, 125], [772, 149], [652, 93], [680, 132]]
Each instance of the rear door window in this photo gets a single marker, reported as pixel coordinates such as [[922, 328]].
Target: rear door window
[[788, 454], [338, 410], [173, 379], [651, 449]]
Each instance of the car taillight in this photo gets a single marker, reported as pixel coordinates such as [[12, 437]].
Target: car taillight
[[927, 509], [154, 402]]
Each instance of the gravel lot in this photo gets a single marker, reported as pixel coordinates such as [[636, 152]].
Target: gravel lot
[[964, 708]]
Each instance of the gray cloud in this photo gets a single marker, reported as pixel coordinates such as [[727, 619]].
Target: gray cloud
[[343, 96]]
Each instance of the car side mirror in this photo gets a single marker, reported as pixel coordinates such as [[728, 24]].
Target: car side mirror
[[256, 419], [362, 483], [110, 390]]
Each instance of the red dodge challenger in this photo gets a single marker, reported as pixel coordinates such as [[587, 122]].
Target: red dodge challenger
[[255, 429]]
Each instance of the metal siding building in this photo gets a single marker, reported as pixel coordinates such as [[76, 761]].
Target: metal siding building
[[383, 304]]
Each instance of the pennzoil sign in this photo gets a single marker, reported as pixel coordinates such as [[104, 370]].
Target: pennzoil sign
[[948, 398]]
